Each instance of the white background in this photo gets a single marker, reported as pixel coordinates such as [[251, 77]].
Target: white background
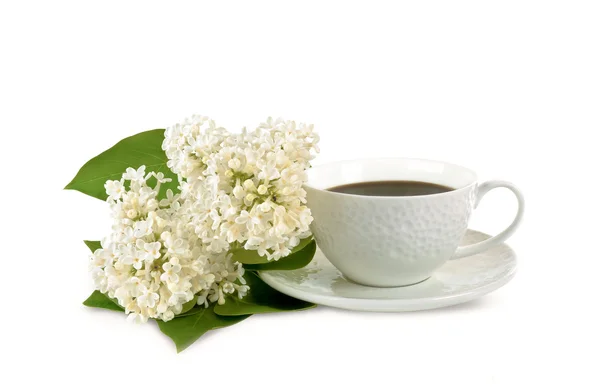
[[508, 88]]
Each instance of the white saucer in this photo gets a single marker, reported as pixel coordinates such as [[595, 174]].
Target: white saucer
[[456, 282]]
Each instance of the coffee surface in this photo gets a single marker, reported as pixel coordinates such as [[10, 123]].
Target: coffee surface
[[391, 188]]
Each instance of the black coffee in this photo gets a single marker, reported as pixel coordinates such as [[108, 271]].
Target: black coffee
[[391, 188]]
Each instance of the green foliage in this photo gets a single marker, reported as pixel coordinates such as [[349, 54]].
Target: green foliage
[[251, 257], [291, 262], [188, 306], [141, 149], [184, 331], [260, 299], [101, 300], [93, 245]]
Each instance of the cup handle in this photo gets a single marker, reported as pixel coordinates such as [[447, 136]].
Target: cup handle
[[482, 189]]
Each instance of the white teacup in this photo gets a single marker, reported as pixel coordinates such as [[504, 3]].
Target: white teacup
[[397, 240]]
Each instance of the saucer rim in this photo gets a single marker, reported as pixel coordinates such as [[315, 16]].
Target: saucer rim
[[394, 305]]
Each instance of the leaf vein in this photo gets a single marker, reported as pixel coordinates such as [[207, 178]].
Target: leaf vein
[[198, 317], [148, 154]]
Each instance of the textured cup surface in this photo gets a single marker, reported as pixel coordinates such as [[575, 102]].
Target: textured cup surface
[[389, 241]]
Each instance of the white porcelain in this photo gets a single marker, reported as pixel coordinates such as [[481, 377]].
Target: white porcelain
[[395, 241], [455, 282]]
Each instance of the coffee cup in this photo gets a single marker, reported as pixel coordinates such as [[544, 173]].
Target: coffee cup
[[375, 239]]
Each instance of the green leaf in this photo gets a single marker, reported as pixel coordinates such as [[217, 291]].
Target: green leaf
[[251, 257], [93, 245], [260, 299], [185, 330], [188, 306], [101, 300], [291, 262], [194, 310], [141, 149]]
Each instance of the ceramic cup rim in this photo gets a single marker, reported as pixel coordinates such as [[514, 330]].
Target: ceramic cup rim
[[317, 168]]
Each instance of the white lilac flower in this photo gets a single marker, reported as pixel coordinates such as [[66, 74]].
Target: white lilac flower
[[244, 190], [190, 142], [153, 261]]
